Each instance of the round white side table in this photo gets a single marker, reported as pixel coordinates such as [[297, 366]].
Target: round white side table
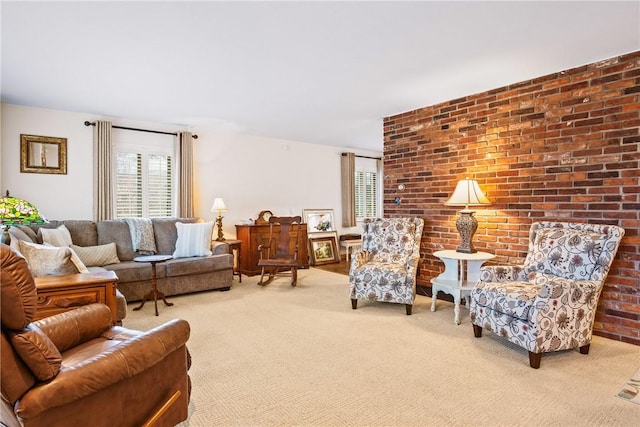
[[461, 272]]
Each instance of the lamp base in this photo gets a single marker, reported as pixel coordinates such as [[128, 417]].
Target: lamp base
[[467, 225], [5, 237], [220, 233]]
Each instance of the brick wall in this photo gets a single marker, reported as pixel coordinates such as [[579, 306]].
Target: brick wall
[[565, 146]]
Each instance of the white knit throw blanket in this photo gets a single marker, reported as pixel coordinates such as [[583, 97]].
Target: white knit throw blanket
[[142, 238]]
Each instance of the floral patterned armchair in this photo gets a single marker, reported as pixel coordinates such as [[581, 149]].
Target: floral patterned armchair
[[549, 303], [385, 269]]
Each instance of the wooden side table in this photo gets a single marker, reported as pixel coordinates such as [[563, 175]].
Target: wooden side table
[[57, 294], [236, 245], [154, 293], [461, 272]]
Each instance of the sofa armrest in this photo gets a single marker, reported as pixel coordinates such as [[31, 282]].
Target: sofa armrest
[[102, 370], [502, 273], [219, 248], [74, 327]]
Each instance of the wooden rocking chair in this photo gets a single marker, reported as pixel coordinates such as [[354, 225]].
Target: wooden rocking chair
[[281, 252]]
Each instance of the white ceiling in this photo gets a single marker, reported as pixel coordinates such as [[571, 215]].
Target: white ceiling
[[320, 72]]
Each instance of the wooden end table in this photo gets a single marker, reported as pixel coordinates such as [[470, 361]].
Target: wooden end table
[[236, 245], [57, 294], [154, 293]]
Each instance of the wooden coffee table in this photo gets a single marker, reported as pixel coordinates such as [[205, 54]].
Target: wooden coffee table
[[154, 293]]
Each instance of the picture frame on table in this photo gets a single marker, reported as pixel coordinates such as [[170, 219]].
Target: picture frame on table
[[324, 250], [43, 154], [319, 220]]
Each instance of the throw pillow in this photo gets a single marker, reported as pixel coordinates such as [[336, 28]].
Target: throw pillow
[[56, 236], [37, 351], [193, 239], [97, 255], [16, 235], [564, 252], [50, 260]]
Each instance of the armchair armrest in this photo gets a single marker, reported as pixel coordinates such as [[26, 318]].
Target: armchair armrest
[[502, 273], [359, 259], [113, 365], [71, 328], [577, 298]]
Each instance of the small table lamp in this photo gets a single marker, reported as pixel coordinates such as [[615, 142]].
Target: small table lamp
[[467, 193], [218, 205], [14, 211]]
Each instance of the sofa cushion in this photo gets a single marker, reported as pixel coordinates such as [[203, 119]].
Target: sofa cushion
[[193, 239], [50, 260], [166, 233], [37, 351], [197, 265], [58, 236], [83, 232], [131, 271], [16, 235], [99, 255], [117, 231], [19, 234], [33, 236]]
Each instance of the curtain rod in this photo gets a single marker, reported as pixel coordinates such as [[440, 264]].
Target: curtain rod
[[88, 123], [364, 157]]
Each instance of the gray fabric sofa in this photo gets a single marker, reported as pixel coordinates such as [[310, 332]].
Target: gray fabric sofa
[[176, 276]]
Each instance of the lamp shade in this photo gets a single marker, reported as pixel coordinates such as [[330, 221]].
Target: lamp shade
[[218, 205], [18, 211], [467, 193]]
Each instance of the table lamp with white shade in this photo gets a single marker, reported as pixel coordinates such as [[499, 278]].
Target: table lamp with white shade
[[467, 193]]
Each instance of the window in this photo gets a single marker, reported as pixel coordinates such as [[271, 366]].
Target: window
[[144, 180], [366, 189]]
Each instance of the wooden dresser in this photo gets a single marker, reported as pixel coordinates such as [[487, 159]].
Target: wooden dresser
[[253, 236], [57, 294]]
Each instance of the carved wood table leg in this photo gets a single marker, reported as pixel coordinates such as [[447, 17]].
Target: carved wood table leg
[[154, 294]]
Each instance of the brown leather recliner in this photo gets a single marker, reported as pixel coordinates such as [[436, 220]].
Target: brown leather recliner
[[76, 369]]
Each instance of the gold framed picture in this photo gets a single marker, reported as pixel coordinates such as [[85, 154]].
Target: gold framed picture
[[324, 250], [43, 154]]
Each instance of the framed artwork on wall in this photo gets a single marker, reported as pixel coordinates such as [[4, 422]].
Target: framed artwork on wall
[[319, 220], [43, 154], [324, 250]]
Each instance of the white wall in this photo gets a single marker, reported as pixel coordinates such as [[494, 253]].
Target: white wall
[[250, 173]]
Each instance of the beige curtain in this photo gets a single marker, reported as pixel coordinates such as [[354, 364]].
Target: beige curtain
[[185, 181], [102, 172], [348, 172]]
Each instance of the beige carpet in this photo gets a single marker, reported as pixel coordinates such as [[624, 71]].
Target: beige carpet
[[283, 356]]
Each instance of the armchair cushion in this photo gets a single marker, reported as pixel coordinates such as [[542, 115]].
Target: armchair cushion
[[514, 298], [18, 293], [565, 252], [384, 273], [37, 351]]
